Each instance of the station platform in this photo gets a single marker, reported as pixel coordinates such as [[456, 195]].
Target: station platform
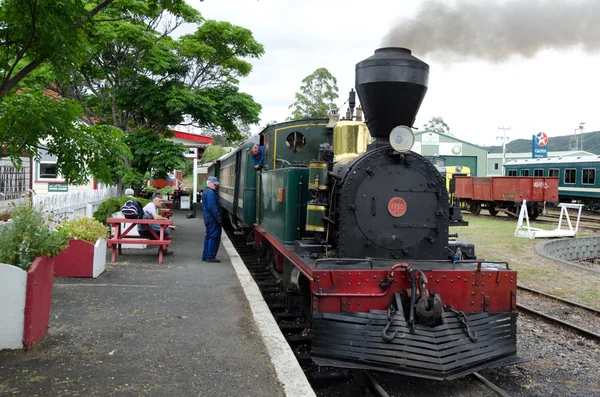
[[183, 328]]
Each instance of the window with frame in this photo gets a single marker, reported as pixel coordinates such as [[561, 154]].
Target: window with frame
[[524, 172], [46, 166], [554, 172], [496, 166], [512, 172], [570, 176], [588, 176], [538, 172]]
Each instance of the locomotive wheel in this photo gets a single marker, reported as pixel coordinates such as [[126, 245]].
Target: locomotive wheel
[[475, 208], [492, 210]]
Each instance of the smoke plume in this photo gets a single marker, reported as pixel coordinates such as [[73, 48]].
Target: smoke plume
[[496, 31]]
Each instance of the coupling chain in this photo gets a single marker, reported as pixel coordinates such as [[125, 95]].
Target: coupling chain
[[389, 320], [462, 317]]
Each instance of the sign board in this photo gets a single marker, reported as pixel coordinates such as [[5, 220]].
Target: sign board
[[185, 202], [539, 149], [192, 153], [58, 187]]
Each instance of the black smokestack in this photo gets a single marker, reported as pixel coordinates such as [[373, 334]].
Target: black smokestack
[[494, 31]]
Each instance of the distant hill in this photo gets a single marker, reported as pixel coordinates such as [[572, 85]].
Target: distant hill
[[591, 143]]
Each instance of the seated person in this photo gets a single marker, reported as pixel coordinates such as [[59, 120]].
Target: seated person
[[258, 155], [150, 212]]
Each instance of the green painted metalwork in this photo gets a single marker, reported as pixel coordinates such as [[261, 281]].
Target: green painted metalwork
[[295, 142], [284, 195], [314, 217], [317, 175], [246, 200]]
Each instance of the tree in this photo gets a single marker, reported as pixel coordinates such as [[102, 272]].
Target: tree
[[316, 97], [54, 32], [140, 80], [137, 77], [32, 119], [212, 153], [437, 124]]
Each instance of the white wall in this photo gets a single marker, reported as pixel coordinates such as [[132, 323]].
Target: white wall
[[13, 284]]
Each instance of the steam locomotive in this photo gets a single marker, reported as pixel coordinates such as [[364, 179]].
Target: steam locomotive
[[356, 226]]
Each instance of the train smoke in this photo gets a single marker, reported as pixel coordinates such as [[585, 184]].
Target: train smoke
[[496, 31]]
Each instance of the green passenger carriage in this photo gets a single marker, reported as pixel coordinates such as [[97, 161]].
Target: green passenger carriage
[[577, 176]]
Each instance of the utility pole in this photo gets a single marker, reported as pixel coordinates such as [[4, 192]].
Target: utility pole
[[581, 134], [504, 139]]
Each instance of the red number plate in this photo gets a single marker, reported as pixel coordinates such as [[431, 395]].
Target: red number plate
[[397, 207]]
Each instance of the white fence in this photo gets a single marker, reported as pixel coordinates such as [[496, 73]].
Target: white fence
[[74, 204]]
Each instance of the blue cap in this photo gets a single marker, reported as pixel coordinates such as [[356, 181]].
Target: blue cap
[[214, 180]]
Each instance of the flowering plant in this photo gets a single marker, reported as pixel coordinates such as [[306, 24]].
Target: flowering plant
[[84, 228]]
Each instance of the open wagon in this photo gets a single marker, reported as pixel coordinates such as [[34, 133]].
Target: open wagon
[[506, 193]]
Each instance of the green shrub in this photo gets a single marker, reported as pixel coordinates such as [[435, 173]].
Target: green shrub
[[110, 206], [107, 209], [165, 191], [29, 236], [84, 228]]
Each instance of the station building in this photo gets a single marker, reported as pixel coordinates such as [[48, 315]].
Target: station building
[[452, 150]]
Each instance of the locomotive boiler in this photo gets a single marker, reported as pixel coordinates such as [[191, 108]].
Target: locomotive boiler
[[356, 225]]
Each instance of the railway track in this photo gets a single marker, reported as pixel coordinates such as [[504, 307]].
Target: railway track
[[581, 319]]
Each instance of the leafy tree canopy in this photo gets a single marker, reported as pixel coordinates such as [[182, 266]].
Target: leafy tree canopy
[[212, 153], [437, 124], [32, 119], [34, 32], [316, 97], [137, 76]]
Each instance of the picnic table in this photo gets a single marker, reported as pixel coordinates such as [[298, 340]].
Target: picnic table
[[119, 236]]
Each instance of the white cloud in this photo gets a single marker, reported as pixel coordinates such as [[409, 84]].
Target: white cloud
[[552, 92]]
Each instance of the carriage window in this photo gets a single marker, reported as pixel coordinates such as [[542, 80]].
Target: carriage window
[[570, 175], [554, 172], [512, 172], [295, 141], [589, 176], [524, 172], [538, 172]]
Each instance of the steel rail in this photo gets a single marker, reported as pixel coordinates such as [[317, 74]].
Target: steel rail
[[579, 330], [579, 305], [374, 386], [489, 384]]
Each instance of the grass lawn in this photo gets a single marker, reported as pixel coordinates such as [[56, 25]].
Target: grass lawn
[[494, 240]]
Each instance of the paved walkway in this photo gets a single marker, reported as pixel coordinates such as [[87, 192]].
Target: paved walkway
[[182, 328]]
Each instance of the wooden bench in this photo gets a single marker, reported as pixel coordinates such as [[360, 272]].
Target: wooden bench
[[119, 237], [166, 213]]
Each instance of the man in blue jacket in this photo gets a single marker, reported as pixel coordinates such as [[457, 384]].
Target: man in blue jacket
[[211, 205], [258, 155]]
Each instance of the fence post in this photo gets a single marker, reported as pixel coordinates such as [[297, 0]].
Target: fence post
[[89, 210]]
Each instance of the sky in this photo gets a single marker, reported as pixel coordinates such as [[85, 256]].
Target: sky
[[491, 64]]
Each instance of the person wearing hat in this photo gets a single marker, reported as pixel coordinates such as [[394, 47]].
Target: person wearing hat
[[211, 205], [258, 155]]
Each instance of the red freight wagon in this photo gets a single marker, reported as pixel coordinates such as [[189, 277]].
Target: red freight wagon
[[506, 193]]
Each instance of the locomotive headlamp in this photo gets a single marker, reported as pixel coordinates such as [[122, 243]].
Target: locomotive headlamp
[[402, 138], [459, 168]]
